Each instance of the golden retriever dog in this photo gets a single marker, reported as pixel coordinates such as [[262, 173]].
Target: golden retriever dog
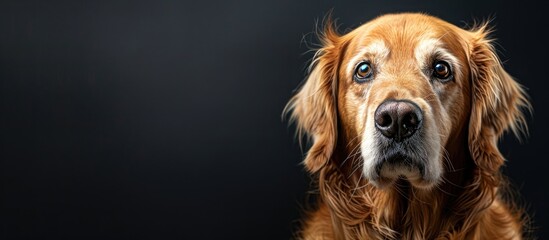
[[404, 114]]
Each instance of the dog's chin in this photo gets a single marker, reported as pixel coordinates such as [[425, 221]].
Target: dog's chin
[[386, 174]]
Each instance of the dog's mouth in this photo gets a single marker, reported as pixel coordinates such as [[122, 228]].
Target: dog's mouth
[[395, 165], [403, 163]]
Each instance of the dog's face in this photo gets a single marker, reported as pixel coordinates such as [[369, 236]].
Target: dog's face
[[402, 85], [402, 90]]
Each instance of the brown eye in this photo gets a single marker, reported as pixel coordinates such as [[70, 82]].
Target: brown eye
[[363, 72], [441, 70]]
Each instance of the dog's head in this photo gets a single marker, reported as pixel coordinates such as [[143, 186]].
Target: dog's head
[[398, 90]]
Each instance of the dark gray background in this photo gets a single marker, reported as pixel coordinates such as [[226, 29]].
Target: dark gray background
[[161, 119]]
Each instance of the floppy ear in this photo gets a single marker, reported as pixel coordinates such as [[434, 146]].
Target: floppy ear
[[497, 101], [313, 108]]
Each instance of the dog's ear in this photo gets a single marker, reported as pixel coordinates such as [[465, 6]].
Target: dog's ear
[[313, 108], [497, 102]]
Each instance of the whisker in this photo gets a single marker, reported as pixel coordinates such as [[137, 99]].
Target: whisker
[[417, 198], [446, 157], [352, 154], [401, 192], [356, 186], [451, 183], [456, 170], [445, 192], [353, 172]]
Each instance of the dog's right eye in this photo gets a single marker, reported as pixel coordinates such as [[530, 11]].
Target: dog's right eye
[[363, 72], [442, 71]]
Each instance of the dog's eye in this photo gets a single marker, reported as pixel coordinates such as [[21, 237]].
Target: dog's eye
[[441, 70], [363, 72]]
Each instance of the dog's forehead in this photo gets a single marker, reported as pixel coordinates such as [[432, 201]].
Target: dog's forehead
[[402, 33]]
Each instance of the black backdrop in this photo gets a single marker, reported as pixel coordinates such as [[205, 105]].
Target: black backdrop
[[161, 119]]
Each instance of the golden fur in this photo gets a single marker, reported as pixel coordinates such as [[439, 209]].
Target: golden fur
[[463, 121]]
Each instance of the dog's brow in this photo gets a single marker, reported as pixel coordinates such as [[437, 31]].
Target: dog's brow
[[376, 48], [434, 47]]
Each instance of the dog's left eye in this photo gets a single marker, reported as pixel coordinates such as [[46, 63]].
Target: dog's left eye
[[363, 72], [442, 71]]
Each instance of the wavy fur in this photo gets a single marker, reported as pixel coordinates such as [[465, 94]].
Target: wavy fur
[[468, 204]]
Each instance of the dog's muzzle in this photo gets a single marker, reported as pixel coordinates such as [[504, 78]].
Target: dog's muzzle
[[398, 123]]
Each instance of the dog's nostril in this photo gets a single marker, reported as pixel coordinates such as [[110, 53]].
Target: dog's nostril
[[409, 124], [410, 120], [384, 119]]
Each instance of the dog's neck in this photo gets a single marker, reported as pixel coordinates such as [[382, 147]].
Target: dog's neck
[[401, 211]]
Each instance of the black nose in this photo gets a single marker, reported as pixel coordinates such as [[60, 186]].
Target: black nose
[[398, 120]]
